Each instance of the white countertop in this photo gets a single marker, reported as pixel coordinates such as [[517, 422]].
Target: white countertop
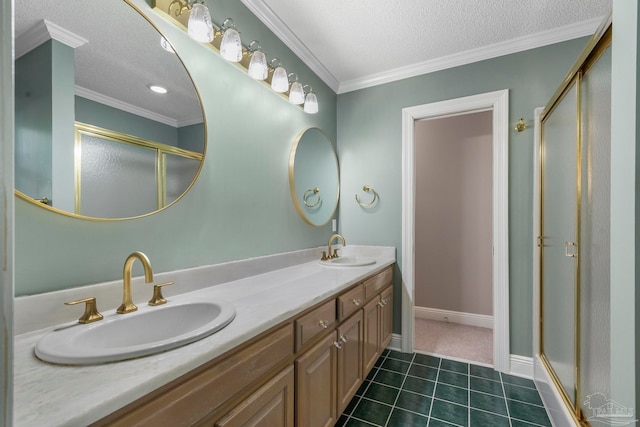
[[57, 395]]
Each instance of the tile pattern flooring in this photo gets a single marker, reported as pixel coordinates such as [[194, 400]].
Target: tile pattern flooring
[[412, 389]]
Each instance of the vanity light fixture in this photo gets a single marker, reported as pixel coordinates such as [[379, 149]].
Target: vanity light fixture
[[157, 89], [200, 27], [226, 40], [310, 101], [296, 92], [258, 65], [231, 45], [279, 81]]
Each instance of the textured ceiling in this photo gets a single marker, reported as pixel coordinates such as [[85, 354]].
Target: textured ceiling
[[352, 41], [122, 55]]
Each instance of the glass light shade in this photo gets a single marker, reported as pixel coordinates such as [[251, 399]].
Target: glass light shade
[[231, 46], [200, 27], [296, 93], [280, 81], [258, 65], [311, 103]]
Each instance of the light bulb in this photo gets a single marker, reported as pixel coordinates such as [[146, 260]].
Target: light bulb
[[296, 93], [231, 46], [258, 65], [280, 81], [311, 103], [200, 27]]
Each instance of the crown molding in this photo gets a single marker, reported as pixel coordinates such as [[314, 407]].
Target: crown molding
[[129, 108], [43, 31], [544, 38], [266, 15]]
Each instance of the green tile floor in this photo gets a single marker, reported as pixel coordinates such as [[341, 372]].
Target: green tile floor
[[411, 389]]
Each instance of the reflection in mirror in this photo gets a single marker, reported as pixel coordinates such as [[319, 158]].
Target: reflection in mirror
[[92, 136], [314, 177]]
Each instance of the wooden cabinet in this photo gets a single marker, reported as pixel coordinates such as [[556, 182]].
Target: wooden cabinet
[[329, 374], [305, 370], [350, 372], [271, 405], [316, 384]]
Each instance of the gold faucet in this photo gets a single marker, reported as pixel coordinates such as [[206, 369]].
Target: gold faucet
[[127, 305], [335, 251]]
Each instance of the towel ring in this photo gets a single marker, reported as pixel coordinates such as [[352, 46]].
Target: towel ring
[[310, 193], [367, 189]]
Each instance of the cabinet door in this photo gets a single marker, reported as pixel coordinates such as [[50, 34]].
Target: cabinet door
[[386, 321], [316, 376], [372, 333], [350, 357], [270, 406]]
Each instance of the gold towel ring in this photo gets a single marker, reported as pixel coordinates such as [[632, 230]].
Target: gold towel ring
[[309, 193], [367, 189]]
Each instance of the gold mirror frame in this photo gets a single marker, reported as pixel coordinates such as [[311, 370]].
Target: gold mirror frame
[[41, 202], [306, 200]]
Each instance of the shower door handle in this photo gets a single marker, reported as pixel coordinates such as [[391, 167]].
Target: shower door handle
[[568, 252]]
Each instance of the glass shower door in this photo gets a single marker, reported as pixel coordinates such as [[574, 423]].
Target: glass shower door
[[559, 242]]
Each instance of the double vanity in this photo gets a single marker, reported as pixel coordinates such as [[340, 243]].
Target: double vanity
[[303, 335]]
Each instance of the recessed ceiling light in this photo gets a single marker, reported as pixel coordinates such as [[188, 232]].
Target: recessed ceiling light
[[157, 89], [165, 45]]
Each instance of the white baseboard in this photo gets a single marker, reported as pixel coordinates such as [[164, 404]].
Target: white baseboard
[[553, 403], [396, 342], [470, 319], [521, 366]]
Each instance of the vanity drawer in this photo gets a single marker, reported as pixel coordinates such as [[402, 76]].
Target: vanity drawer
[[189, 399], [350, 301], [374, 285], [315, 322]]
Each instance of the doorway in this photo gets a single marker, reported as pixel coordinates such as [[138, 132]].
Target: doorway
[[453, 237], [497, 103]]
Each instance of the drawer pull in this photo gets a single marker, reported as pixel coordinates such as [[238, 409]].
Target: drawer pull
[[323, 323], [385, 301], [380, 303], [344, 339], [357, 302], [338, 345]]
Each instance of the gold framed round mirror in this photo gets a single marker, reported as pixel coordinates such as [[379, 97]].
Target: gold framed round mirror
[[108, 123], [314, 177]]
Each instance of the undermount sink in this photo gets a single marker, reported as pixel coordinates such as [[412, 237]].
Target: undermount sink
[[125, 336], [348, 261]]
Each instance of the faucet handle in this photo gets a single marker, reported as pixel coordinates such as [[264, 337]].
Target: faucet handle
[[335, 254], [324, 256], [91, 313], [157, 298]]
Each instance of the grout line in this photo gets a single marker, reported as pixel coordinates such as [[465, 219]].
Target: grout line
[[469, 395], [400, 390], [433, 395], [504, 396]]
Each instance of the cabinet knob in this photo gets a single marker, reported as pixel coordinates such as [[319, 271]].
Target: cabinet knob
[[357, 302], [323, 323], [380, 303], [338, 344], [385, 301], [344, 339]]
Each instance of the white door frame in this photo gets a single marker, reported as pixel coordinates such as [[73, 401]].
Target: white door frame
[[498, 102]]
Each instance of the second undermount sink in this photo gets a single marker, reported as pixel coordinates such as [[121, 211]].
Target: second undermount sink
[[348, 261], [125, 336]]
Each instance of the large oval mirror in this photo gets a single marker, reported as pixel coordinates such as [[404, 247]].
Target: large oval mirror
[[93, 136], [314, 177]]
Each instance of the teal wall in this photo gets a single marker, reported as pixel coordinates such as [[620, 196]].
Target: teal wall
[[33, 102], [94, 113], [239, 207], [370, 152]]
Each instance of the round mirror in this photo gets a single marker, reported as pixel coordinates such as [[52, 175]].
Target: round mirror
[[314, 177], [108, 124]]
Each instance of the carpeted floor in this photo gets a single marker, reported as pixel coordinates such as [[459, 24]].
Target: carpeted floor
[[453, 340]]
